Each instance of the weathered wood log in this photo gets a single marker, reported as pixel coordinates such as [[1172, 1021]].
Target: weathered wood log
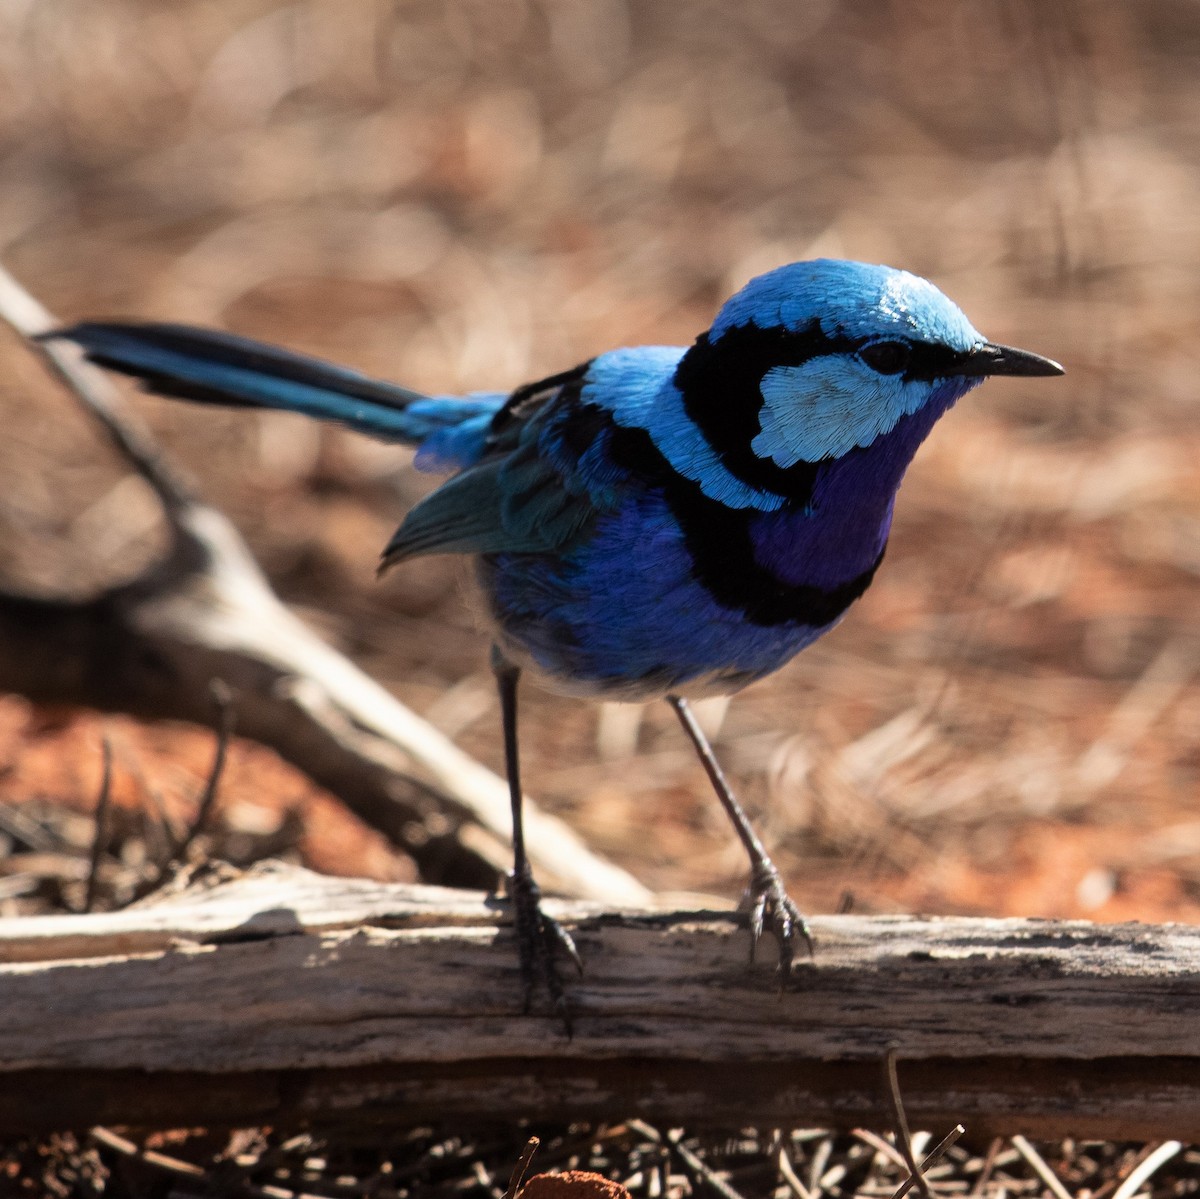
[[287, 998]]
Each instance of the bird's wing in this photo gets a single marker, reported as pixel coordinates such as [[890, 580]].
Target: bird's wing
[[532, 492]]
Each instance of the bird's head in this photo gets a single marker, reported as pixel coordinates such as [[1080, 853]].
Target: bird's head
[[816, 359]]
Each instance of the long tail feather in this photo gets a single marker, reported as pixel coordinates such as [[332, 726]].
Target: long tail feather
[[220, 368]]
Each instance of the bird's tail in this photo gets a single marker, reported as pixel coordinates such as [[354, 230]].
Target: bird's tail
[[211, 367]]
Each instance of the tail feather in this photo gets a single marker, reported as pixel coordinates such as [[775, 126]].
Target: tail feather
[[220, 368]]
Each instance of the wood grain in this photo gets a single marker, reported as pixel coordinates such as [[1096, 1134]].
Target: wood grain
[[285, 995]]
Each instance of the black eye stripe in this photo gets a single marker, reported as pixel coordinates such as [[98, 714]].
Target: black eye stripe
[[721, 383]]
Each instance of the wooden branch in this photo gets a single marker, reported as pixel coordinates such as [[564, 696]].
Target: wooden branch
[[152, 648], [285, 997]]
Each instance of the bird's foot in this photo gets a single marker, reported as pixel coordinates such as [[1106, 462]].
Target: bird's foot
[[539, 939], [770, 907]]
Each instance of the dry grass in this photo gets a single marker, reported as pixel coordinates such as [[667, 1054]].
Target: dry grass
[[654, 1163]]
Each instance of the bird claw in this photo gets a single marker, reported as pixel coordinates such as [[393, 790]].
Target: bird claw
[[539, 939], [771, 908]]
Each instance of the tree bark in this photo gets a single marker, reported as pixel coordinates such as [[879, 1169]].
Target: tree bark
[[289, 998]]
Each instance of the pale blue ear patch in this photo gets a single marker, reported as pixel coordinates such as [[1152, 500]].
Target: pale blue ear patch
[[828, 406]]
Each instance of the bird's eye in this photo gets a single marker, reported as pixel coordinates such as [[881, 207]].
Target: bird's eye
[[886, 357]]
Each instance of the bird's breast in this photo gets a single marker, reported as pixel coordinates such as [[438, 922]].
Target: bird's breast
[[670, 592]]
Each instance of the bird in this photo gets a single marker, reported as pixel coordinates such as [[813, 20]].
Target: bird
[[658, 522]]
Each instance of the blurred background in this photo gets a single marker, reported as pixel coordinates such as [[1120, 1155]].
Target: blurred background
[[460, 194]]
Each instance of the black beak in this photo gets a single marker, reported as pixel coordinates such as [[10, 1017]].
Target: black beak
[[991, 359]]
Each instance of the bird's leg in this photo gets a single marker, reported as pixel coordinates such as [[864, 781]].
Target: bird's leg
[[539, 936], [770, 904]]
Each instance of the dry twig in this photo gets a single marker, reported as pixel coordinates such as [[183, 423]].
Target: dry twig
[[521, 1168], [226, 724], [931, 1159], [699, 1169], [1040, 1168], [100, 839], [1146, 1168], [903, 1137]]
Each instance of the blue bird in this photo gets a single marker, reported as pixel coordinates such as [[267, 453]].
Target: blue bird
[[660, 521]]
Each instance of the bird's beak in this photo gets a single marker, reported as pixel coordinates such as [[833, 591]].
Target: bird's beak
[[992, 359]]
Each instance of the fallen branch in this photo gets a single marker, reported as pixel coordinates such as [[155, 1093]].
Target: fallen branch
[[284, 997], [153, 647]]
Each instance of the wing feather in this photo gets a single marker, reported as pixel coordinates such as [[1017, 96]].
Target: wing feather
[[529, 495]]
